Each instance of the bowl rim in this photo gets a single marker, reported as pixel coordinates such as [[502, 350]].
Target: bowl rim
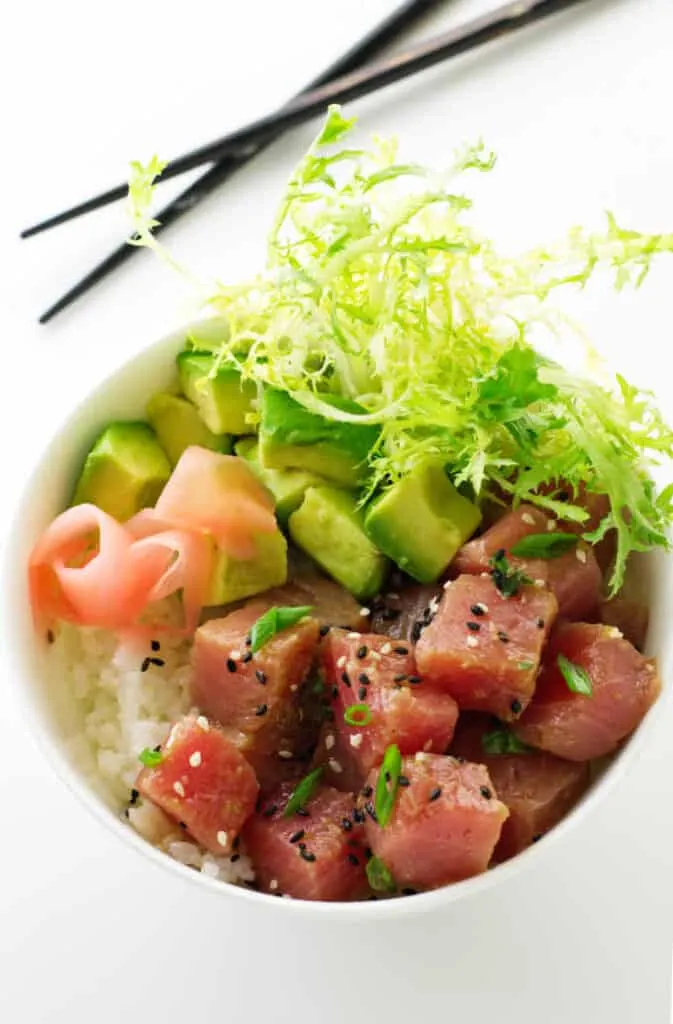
[[60, 763]]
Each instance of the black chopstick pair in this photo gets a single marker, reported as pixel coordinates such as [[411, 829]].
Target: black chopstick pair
[[343, 81]]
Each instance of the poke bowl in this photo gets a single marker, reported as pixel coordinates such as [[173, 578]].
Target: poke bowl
[[300, 682]]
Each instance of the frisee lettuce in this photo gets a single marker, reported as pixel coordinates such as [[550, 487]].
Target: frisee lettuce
[[377, 288]]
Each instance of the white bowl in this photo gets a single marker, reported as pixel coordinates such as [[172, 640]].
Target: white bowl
[[124, 395]]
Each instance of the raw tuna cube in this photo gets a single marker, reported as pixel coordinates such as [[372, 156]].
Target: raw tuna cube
[[317, 855], [404, 613], [444, 826], [257, 695], [574, 577], [538, 789], [365, 668], [336, 756], [484, 649], [204, 782], [578, 727]]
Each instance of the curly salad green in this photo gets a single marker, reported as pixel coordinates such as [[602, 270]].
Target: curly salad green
[[377, 289]]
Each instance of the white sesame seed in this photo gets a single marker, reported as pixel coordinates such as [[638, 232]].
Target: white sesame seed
[[353, 636], [448, 584], [581, 555], [471, 641], [179, 788], [335, 766], [285, 754], [427, 746], [235, 655], [434, 604], [195, 759], [222, 838], [365, 612], [273, 884], [341, 662], [483, 607], [203, 723], [614, 632], [484, 575], [421, 756], [528, 519], [539, 583], [356, 741], [387, 648], [551, 525], [329, 741]]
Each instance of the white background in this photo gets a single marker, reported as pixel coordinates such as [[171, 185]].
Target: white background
[[579, 111]]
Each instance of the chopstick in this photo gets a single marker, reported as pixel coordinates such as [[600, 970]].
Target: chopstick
[[507, 18], [401, 19]]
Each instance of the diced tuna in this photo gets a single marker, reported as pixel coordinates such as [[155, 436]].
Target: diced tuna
[[369, 669], [257, 695], [577, 727], [314, 856], [444, 826], [204, 782], [336, 757], [484, 649], [574, 577], [405, 612], [537, 788]]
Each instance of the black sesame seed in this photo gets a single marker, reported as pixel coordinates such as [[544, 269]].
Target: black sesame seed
[[409, 892], [563, 496], [502, 636], [269, 811], [346, 824], [155, 645], [538, 837], [234, 857], [248, 641], [261, 710], [436, 793], [367, 792], [515, 707], [363, 651], [477, 609], [369, 808], [401, 650], [251, 883], [324, 630], [157, 749], [400, 678], [261, 676], [362, 693], [416, 631], [363, 678], [236, 843], [306, 855], [126, 812], [134, 797], [296, 836], [344, 679], [485, 792], [369, 853], [231, 664], [474, 626], [403, 781], [145, 665], [157, 661], [247, 657], [358, 816], [353, 860], [50, 636], [540, 623], [182, 825], [414, 680]]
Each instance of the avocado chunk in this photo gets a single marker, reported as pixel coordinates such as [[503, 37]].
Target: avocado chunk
[[125, 470], [288, 486], [224, 400], [421, 521], [291, 437], [233, 579], [329, 527], [178, 425]]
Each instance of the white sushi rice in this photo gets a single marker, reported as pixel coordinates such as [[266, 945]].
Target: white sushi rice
[[111, 710]]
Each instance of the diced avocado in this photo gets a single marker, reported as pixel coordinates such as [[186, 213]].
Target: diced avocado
[[421, 521], [234, 579], [178, 425], [288, 486], [329, 527], [291, 437], [125, 470], [223, 400]]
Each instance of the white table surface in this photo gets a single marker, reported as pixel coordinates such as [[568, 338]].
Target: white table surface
[[579, 111]]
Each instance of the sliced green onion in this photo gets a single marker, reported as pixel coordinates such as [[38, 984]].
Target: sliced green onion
[[358, 715], [577, 678], [544, 545], [275, 621], [387, 785], [502, 741], [303, 792], [379, 877], [506, 578], [150, 758]]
